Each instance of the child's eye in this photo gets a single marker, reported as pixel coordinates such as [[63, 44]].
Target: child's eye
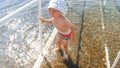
[[54, 11]]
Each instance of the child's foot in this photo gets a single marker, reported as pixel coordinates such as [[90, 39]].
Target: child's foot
[[65, 57], [58, 49]]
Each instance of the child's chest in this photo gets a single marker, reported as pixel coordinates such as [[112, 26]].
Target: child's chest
[[59, 24]]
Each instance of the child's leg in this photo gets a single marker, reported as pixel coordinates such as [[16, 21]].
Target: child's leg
[[59, 42], [65, 45]]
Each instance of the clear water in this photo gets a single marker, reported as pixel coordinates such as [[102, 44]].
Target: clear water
[[19, 35], [8, 6], [101, 28]]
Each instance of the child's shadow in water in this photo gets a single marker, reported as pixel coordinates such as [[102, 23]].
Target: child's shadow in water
[[69, 63]]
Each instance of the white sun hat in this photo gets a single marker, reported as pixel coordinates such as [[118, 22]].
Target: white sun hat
[[58, 4]]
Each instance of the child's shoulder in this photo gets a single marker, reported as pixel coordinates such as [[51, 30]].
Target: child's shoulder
[[65, 19]]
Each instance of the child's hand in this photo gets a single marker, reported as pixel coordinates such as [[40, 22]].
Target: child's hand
[[41, 19], [45, 20]]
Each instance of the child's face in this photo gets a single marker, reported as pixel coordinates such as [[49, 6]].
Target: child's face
[[54, 13]]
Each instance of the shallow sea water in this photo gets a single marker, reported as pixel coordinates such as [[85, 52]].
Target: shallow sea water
[[19, 36], [101, 28]]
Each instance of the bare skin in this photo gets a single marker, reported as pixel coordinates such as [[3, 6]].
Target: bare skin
[[62, 25]]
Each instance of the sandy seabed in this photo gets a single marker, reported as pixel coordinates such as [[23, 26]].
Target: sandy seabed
[[101, 28]]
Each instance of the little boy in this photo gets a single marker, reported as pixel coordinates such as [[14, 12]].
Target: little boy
[[65, 28]]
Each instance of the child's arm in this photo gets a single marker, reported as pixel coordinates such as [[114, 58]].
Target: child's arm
[[45, 20], [73, 33]]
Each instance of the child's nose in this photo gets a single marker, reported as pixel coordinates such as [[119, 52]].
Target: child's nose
[[51, 12]]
